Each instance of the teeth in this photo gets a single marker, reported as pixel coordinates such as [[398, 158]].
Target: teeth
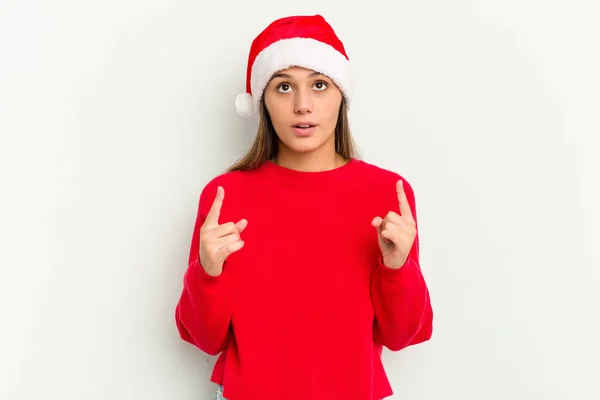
[[304, 126]]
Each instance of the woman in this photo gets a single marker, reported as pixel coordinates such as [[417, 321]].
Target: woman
[[304, 260]]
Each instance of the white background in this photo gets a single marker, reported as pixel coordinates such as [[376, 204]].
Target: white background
[[114, 114]]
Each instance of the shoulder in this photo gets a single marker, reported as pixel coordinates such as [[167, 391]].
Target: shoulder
[[235, 185], [380, 177], [226, 179], [381, 182]]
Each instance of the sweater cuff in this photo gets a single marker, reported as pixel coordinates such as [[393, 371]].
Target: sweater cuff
[[196, 275], [410, 267]]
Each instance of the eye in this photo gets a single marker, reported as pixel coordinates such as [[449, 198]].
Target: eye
[[284, 87], [320, 85]]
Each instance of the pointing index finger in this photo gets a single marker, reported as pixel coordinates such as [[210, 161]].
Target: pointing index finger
[[403, 201], [212, 218]]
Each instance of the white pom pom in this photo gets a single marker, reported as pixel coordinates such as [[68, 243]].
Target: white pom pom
[[243, 104]]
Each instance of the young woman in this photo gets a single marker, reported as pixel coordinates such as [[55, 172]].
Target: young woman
[[304, 260]]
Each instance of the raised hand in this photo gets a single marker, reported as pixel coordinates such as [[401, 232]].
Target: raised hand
[[396, 233], [217, 242]]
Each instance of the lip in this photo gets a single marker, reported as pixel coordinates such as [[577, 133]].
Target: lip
[[304, 123], [304, 131]]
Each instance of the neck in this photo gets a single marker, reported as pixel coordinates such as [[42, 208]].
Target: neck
[[309, 162]]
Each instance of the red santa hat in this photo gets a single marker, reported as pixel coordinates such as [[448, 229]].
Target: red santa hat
[[301, 41]]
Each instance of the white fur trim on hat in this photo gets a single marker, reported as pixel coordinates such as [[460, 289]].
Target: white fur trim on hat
[[300, 52]]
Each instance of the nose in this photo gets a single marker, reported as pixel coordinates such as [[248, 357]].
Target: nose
[[303, 101]]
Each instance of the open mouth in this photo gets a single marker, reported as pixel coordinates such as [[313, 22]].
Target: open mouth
[[304, 128]]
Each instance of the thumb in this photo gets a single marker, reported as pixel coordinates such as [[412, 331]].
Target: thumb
[[376, 222], [241, 225]]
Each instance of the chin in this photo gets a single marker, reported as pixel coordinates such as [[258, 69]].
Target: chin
[[304, 145], [306, 148]]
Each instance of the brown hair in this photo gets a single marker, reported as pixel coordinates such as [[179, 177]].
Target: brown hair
[[266, 142]]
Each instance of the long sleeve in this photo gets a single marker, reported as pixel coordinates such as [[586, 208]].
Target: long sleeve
[[203, 313], [403, 312]]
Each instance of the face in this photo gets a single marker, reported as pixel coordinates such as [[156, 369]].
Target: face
[[304, 107]]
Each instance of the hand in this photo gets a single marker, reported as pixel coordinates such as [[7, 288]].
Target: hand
[[396, 233], [217, 242]]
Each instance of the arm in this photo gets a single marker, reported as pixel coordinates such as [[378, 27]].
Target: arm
[[203, 313], [403, 312]]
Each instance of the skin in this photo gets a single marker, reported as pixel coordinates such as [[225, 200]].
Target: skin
[[297, 95], [218, 241], [396, 233], [292, 96]]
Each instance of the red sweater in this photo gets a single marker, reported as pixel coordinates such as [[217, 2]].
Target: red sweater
[[303, 309]]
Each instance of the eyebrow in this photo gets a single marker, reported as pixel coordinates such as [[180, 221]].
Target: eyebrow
[[288, 76]]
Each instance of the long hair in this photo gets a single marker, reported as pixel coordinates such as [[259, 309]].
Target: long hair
[[266, 142]]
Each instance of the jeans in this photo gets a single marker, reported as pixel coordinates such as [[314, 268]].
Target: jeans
[[219, 394]]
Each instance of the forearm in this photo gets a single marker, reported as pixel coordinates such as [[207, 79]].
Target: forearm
[[403, 313], [203, 313]]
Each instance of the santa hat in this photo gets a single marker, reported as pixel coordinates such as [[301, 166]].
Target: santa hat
[[301, 41]]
